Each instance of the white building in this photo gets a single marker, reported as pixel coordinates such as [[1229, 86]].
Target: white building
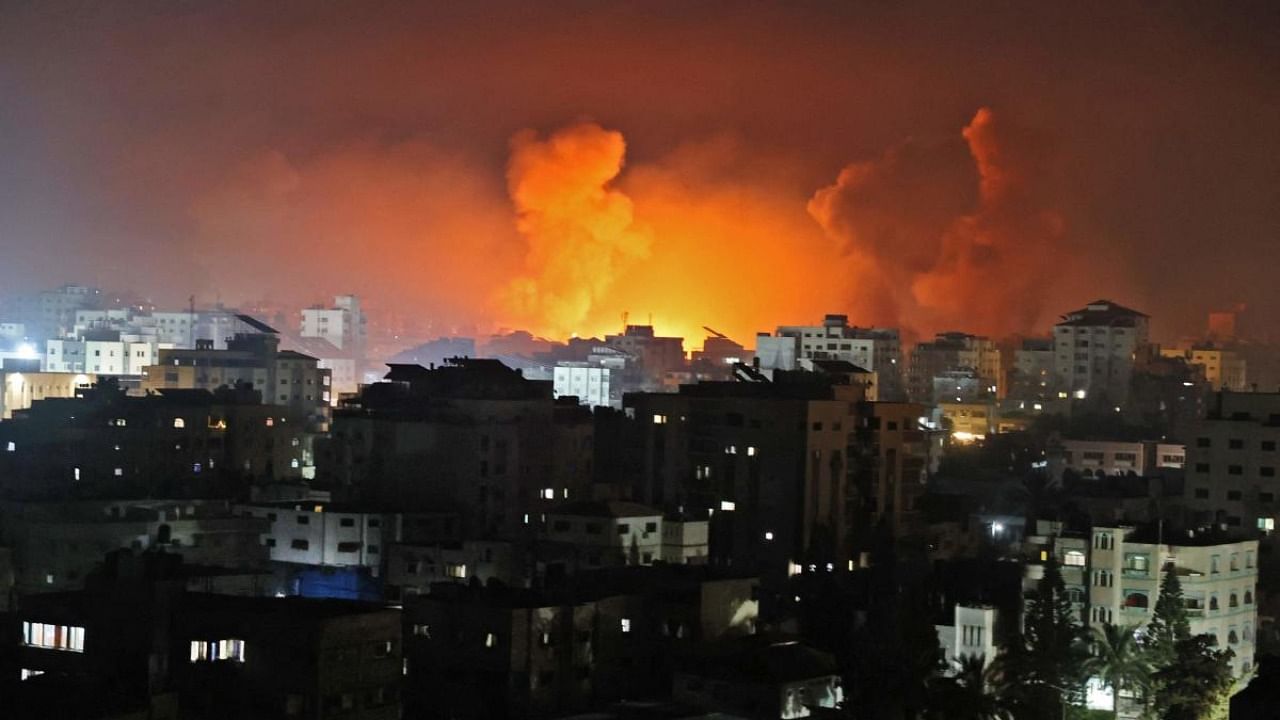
[[876, 349], [344, 324], [1100, 458], [972, 633], [1095, 349], [592, 385], [100, 357], [613, 533], [320, 534], [18, 390], [1219, 582]]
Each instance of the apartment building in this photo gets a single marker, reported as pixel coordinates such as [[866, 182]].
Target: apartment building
[[1231, 463], [1095, 350]]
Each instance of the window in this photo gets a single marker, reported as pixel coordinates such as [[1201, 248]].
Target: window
[[651, 527], [1213, 603], [348, 547], [971, 635], [1214, 563], [1268, 445], [1235, 469], [455, 570], [1203, 442], [1202, 493], [300, 544], [383, 649], [1248, 559], [626, 625], [347, 522], [270, 542], [1073, 558], [659, 419], [1135, 600], [1267, 471], [1248, 597], [1202, 467], [179, 423], [53, 637], [215, 650], [1233, 600], [1233, 494], [490, 640], [1235, 444], [304, 519], [623, 528]]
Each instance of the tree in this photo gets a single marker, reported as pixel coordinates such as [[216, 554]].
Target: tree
[[967, 695], [1119, 661], [1169, 624], [1196, 682], [1041, 671]]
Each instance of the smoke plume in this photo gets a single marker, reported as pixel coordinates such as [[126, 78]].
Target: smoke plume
[[925, 253]]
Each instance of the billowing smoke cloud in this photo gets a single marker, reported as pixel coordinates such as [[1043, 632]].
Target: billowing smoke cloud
[[580, 230], [928, 255]]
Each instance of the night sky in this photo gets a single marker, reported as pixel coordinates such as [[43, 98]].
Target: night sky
[[737, 165]]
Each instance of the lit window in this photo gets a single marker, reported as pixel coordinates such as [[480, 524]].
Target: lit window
[[727, 505], [11, 447], [30, 673], [118, 472], [179, 423], [53, 637], [751, 451], [271, 422], [626, 625], [548, 494], [490, 640], [730, 449], [76, 474], [768, 534], [1074, 558], [456, 570], [214, 650], [659, 419]]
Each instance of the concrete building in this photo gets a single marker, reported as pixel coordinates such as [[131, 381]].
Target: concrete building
[[472, 435], [593, 386], [282, 377], [136, 643], [52, 313], [971, 633], [175, 443], [498, 652], [654, 356], [1231, 463], [56, 545], [769, 678], [344, 325], [1224, 369], [100, 357], [591, 535], [19, 390], [1219, 582], [1096, 349], [978, 357], [1101, 458], [970, 421], [320, 534], [878, 350]]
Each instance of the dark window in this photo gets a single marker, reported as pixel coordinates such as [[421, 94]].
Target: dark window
[[1202, 467], [1233, 494], [304, 519], [1202, 493], [300, 545], [375, 522], [1235, 444], [1266, 497], [593, 528], [347, 522], [348, 547], [623, 528], [1235, 469], [271, 542], [1269, 445], [1267, 471], [271, 517], [1203, 442], [651, 527]]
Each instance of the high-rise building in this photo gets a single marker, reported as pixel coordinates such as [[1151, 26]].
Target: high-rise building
[[878, 350], [1095, 350], [345, 324], [1232, 461], [948, 353]]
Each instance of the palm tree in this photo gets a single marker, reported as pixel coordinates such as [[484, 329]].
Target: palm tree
[[1118, 661], [967, 694]]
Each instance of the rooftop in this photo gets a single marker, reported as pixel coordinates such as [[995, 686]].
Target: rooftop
[[1102, 313]]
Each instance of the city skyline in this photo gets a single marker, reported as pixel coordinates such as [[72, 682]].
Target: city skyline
[[934, 168]]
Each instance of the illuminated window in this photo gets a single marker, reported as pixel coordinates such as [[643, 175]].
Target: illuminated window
[[271, 422], [53, 637], [11, 447], [490, 640], [727, 505], [76, 474], [626, 625], [768, 534], [548, 494], [659, 419], [751, 451], [1073, 558], [30, 673], [179, 423], [455, 570], [215, 650]]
